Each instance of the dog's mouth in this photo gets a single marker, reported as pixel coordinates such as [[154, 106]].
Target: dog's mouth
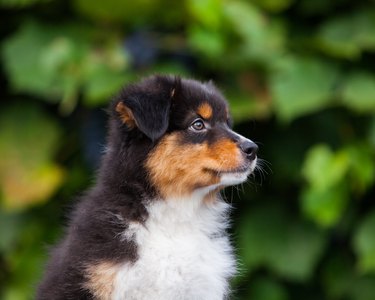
[[234, 176], [245, 168]]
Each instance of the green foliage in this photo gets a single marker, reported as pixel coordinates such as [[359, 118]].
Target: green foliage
[[266, 289], [338, 277], [359, 92], [261, 39], [20, 3], [28, 140], [331, 177], [364, 243], [348, 35], [302, 85], [325, 199], [303, 70], [206, 12], [117, 11], [60, 61], [289, 247]]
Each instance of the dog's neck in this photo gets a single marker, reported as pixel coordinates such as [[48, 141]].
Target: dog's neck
[[191, 211], [121, 169]]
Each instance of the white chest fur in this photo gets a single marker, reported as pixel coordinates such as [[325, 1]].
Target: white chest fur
[[183, 253]]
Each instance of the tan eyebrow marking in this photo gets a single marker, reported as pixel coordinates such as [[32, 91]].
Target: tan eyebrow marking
[[205, 110]]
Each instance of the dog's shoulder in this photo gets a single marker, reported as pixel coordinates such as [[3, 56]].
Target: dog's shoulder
[[98, 223]]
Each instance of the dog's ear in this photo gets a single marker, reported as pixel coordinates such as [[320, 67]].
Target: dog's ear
[[126, 115], [146, 106], [176, 89]]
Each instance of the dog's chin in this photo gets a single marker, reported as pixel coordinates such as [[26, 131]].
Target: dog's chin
[[233, 178], [228, 177], [238, 175]]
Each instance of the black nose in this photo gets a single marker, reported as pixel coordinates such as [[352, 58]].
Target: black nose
[[249, 148]]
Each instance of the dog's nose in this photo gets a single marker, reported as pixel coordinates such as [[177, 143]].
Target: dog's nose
[[249, 148]]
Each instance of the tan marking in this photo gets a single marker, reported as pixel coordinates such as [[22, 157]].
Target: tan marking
[[173, 92], [126, 115], [100, 279], [205, 111], [177, 170]]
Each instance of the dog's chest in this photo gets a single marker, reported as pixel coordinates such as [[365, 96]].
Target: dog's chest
[[183, 254]]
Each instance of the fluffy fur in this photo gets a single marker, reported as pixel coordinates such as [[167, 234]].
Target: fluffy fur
[[154, 226]]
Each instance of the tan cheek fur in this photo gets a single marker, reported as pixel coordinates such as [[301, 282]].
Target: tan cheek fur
[[177, 170], [100, 279]]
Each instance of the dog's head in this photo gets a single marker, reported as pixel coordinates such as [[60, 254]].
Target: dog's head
[[187, 127]]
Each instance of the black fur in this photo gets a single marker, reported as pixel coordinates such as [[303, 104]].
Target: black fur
[[160, 104]]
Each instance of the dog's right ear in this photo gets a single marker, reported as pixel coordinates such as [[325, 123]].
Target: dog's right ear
[[146, 106]]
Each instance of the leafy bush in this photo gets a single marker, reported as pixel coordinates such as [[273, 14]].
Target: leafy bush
[[303, 70]]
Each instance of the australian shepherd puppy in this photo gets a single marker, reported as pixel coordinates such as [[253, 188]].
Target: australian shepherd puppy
[[153, 226]]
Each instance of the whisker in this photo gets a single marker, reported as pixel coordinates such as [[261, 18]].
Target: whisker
[[262, 169], [231, 195]]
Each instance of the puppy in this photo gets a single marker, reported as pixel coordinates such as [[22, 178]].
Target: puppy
[[153, 226]]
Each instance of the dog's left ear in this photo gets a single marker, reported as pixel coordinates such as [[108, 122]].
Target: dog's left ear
[[149, 117], [146, 106]]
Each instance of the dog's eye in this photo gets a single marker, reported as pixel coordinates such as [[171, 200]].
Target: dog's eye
[[198, 125]]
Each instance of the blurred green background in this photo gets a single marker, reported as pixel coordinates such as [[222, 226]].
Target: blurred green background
[[299, 75]]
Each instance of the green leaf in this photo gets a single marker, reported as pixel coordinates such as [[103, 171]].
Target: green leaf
[[262, 39], [337, 36], [302, 85], [358, 92], [46, 61], [323, 168], [269, 237], [325, 207], [207, 42], [56, 62], [331, 176], [348, 35], [364, 243], [101, 86], [22, 58], [207, 12], [28, 140]]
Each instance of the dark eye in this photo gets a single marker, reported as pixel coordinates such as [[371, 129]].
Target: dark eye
[[198, 125]]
